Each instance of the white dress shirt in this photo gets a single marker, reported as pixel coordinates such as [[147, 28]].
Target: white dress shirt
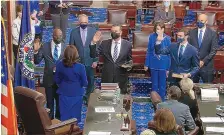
[[53, 47], [16, 30], [185, 45], [118, 46], [203, 32]]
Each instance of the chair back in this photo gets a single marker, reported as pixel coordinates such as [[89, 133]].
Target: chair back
[[117, 17], [30, 106], [140, 39]]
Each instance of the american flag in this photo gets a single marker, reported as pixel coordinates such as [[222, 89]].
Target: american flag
[[8, 111]]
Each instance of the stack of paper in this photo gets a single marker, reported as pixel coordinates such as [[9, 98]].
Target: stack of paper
[[212, 120], [104, 109], [210, 94], [215, 129], [99, 133], [109, 86]]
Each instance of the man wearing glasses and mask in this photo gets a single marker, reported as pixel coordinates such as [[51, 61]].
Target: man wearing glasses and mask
[[116, 52], [184, 58]]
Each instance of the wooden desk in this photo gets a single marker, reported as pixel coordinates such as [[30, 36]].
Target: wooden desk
[[208, 109], [98, 121]]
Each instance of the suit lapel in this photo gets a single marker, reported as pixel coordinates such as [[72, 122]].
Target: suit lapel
[[196, 36], [204, 37], [109, 50], [87, 36], [62, 51], [175, 54], [186, 49], [121, 51], [79, 37]]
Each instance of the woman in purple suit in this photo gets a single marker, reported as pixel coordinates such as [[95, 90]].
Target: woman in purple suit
[[71, 79]]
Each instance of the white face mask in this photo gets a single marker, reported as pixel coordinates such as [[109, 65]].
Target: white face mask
[[166, 3]]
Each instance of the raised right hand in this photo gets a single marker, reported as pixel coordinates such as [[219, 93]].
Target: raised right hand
[[96, 37], [61, 5], [36, 47]]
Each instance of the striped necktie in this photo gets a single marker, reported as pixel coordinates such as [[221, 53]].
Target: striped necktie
[[115, 52], [55, 56]]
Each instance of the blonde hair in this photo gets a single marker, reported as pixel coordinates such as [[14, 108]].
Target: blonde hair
[[186, 85], [148, 132], [164, 120]]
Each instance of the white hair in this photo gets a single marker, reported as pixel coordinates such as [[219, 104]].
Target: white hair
[[187, 85], [82, 15], [148, 132]]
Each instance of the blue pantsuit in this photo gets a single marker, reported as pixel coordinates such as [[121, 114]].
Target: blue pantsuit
[[158, 64], [71, 82]]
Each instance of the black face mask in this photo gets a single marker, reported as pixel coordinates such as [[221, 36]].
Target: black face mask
[[115, 35], [58, 40], [83, 26]]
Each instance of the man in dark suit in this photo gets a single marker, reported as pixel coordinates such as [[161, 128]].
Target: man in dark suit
[[115, 52], [51, 52], [81, 38], [184, 57], [205, 40], [180, 111], [59, 11]]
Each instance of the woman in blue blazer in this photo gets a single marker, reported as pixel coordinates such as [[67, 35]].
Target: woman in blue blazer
[[71, 79], [158, 64]]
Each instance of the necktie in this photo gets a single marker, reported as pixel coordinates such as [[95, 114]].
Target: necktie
[[83, 37], [200, 38], [55, 53], [115, 52], [181, 51]]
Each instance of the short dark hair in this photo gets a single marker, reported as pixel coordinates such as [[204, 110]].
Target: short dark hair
[[38, 36], [117, 25], [71, 55], [174, 92], [160, 24], [184, 30], [19, 8]]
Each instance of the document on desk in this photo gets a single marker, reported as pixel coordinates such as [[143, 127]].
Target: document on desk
[[104, 109], [211, 94], [215, 129], [212, 120], [99, 133]]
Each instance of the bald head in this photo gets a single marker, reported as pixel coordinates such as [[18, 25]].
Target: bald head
[[57, 36], [203, 18], [83, 19]]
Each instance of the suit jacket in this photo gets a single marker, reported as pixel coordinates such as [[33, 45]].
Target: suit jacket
[[45, 53], [208, 47], [191, 103], [154, 61], [70, 80], [84, 51], [54, 9], [160, 15], [189, 62], [113, 69], [181, 113]]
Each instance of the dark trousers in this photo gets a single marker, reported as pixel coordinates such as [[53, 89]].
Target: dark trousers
[[15, 52], [90, 78], [51, 95], [158, 78], [60, 21], [206, 76]]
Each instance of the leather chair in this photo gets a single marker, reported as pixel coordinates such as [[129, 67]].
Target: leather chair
[[117, 17], [140, 39], [151, 125], [36, 120]]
